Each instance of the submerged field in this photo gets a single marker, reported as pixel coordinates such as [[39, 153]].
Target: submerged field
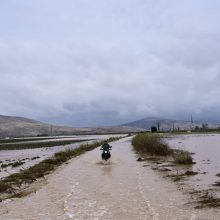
[[158, 181], [12, 161], [87, 188], [191, 161], [206, 151]]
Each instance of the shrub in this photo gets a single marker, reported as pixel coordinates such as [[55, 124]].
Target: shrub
[[3, 187], [182, 157], [148, 143], [17, 163], [153, 129], [39, 170]]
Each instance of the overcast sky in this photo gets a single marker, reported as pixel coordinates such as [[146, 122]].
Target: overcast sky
[[95, 62]]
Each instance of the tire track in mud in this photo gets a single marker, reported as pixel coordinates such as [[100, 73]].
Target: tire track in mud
[[111, 194], [153, 213]]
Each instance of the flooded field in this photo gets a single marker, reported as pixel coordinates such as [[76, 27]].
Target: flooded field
[[122, 189], [206, 151], [29, 157]]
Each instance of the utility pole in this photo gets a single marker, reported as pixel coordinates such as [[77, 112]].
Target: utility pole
[[191, 123], [158, 126]]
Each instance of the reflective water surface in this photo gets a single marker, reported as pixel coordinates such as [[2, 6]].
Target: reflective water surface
[[122, 189], [26, 155], [206, 149]]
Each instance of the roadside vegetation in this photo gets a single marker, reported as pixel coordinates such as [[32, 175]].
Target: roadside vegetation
[[163, 159], [13, 184], [208, 200], [182, 157], [12, 164], [150, 144], [19, 146], [153, 144]]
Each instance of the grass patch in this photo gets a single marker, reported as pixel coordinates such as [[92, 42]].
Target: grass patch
[[150, 144], [190, 173], [17, 163], [182, 157], [177, 178], [146, 143], [4, 165], [208, 200], [217, 183], [15, 181], [4, 187], [14, 164], [34, 158]]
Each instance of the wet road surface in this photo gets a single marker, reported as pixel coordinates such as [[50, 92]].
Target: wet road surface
[[123, 189]]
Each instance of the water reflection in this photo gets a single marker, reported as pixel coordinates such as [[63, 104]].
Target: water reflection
[[206, 149]]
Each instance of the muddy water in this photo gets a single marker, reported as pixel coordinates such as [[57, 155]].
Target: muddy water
[[8, 156], [60, 138], [206, 149], [88, 189]]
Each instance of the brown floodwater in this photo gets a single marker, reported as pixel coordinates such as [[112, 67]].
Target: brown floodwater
[[26, 155], [123, 189], [206, 154]]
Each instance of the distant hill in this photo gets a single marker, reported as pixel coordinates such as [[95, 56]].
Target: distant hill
[[12, 126], [169, 124]]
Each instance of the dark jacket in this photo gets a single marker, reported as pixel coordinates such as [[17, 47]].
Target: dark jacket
[[106, 146]]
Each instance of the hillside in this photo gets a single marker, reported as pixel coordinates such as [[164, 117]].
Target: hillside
[[169, 124], [12, 126]]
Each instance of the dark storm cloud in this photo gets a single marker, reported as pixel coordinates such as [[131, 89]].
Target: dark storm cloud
[[94, 62]]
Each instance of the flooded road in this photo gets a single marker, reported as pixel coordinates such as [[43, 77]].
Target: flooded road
[[35, 155], [124, 189]]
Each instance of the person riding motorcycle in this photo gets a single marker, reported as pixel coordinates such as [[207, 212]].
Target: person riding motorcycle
[[106, 150], [106, 146]]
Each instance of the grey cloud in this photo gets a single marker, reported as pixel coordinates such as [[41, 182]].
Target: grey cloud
[[86, 63]]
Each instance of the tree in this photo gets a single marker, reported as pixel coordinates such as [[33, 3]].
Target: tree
[[153, 129], [197, 128]]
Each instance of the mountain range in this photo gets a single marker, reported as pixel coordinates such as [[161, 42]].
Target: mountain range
[[12, 126], [170, 124]]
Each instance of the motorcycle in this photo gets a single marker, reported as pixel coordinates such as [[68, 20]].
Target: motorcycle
[[106, 154]]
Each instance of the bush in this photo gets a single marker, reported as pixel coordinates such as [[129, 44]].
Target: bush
[[148, 143], [153, 129], [39, 170], [3, 187], [17, 163], [182, 157]]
